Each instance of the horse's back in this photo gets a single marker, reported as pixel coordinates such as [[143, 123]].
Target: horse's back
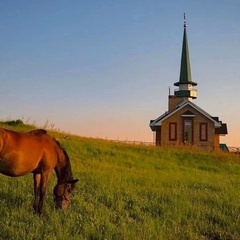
[[23, 153], [35, 140]]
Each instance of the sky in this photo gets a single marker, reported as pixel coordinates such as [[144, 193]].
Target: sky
[[103, 69]]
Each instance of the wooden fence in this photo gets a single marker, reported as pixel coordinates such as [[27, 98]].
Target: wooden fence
[[231, 149]]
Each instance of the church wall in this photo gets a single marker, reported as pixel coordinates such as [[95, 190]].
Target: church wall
[[177, 118], [216, 142]]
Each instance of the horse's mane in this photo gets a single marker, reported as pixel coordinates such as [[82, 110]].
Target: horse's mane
[[68, 168]]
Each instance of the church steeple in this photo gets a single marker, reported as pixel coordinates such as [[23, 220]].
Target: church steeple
[[185, 82]]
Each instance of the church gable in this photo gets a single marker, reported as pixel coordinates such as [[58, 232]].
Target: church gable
[[188, 114], [187, 109]]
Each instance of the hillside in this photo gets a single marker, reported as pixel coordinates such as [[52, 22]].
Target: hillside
[[130, 192]]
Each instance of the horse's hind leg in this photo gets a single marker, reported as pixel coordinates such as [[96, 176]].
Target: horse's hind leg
[[37, 181]]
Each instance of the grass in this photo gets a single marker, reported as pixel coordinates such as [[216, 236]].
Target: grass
[[130, 192]]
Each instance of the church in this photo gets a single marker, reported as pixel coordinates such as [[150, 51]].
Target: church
[[185, 123]]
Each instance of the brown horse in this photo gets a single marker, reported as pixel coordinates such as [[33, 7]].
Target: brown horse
[[36, 152]]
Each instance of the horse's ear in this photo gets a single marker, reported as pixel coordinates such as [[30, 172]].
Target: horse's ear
[[73, 181], [71, 185]]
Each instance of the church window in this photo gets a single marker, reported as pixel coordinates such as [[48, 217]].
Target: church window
[[187, 130], [203, 131], [172, 131]]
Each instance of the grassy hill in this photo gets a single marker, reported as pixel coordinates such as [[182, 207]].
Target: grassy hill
[[129, 192]]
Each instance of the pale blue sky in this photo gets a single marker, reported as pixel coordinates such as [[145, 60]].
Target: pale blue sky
[[103, 68]]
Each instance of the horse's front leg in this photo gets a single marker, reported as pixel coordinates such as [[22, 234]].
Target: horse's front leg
[[36, 181], [43, 186]]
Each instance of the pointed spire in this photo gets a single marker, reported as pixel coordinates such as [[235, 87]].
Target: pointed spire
[[185, 79], [185, 70]]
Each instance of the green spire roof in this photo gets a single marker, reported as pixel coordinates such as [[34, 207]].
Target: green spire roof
[[185, 70]]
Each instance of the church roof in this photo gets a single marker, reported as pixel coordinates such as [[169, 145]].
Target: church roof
[[158, 122]]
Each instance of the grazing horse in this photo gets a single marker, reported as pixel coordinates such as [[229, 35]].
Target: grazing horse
[[36, 152]]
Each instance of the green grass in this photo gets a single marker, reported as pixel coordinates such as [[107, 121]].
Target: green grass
[[130, 192]]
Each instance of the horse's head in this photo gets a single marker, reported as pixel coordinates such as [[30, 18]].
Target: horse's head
[[62, 193]]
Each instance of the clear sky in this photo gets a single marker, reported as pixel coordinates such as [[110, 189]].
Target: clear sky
[[103, 68]]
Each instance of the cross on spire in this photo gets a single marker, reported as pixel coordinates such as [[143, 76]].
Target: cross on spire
[[185, 24]]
